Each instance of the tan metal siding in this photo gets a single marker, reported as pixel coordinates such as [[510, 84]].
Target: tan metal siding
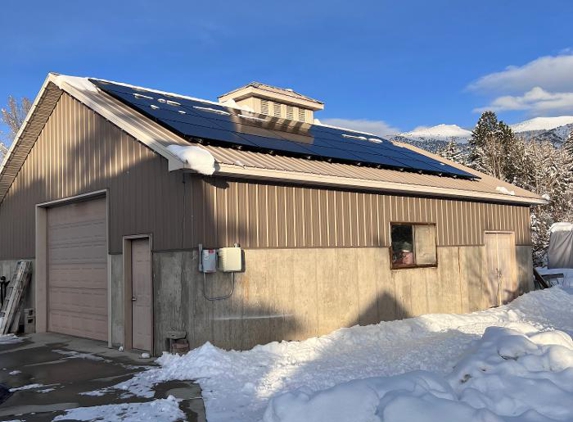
[[78, 152], [259, 215]]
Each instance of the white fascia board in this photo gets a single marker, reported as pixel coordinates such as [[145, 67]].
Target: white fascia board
[[346, 182]]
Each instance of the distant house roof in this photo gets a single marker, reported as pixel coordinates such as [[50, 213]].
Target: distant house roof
[[249, 164]]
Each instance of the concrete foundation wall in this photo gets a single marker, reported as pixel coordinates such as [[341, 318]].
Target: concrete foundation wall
[[291, 294]]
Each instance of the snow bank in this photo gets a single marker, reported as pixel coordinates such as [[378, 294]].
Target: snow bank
[[197, 158], [506, 375], [241, 386]]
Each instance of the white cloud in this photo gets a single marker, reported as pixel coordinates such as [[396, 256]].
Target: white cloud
[[376, 127], [537, 102], [552, 73], [541, 87]]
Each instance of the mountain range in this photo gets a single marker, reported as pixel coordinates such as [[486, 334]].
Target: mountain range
[[552, 129]]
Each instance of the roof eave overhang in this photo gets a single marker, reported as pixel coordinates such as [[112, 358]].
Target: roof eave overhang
[[374, 185]]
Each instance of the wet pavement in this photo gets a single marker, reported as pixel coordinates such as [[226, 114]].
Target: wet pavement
[[47, 372]]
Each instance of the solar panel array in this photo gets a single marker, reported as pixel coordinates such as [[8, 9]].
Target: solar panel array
[[217, 124]]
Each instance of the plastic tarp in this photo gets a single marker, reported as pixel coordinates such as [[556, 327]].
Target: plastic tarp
[[560, 252]]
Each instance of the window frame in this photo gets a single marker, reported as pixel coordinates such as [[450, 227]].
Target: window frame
[[414, 265]]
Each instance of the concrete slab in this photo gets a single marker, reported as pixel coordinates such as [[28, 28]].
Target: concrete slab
[[47, 373]]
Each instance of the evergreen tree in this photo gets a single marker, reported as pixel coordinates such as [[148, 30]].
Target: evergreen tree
[[492, 146], [451, 151], [545, 170], [568, 144]]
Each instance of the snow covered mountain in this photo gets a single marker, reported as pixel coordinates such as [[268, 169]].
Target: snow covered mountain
[[440, 132], [552, 129], [542, 124], [434, 138]]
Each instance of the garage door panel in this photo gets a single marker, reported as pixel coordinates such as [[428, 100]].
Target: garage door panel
[[67, 323], [76, 232], [78, 254], [76, 276], [84, 301], [77, 269]]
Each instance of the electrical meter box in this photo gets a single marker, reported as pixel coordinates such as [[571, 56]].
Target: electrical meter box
[[208, 261], [230, 260]]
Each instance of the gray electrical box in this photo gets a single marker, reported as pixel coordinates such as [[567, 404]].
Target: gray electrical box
[[208, 261], [230, 260]]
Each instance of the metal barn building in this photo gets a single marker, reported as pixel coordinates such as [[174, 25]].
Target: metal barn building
[[335, 227]]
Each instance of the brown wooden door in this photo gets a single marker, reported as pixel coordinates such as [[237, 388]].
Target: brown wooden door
[[142, 295], [502, 285]]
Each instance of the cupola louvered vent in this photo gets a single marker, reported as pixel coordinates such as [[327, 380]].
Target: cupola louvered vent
[[274, 102], [265, 107], [277, 110]]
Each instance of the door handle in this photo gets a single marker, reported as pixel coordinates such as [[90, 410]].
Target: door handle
[[133, 298]]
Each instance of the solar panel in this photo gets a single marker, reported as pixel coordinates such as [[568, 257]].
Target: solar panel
[[217, 124]]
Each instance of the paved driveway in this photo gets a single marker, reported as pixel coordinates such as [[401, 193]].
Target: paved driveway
[[44, 374]]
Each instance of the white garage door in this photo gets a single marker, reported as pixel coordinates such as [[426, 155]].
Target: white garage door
[[77, 269]]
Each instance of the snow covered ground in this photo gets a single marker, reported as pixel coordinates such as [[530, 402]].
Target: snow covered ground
[[430, 368], [9, 339]]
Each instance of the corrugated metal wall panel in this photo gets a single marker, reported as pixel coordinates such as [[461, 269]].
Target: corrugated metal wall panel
[[79, 152], [259, 215]]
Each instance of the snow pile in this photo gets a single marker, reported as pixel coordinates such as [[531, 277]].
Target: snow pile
[[158, 410], [238, 386], [507, 374], [195, 157]]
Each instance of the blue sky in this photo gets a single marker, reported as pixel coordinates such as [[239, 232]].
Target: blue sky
[[394, 65]]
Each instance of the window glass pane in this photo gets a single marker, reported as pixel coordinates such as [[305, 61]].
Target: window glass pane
[[425, 244], [402, 245]]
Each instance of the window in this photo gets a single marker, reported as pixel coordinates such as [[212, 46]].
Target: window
[[413, 245]]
